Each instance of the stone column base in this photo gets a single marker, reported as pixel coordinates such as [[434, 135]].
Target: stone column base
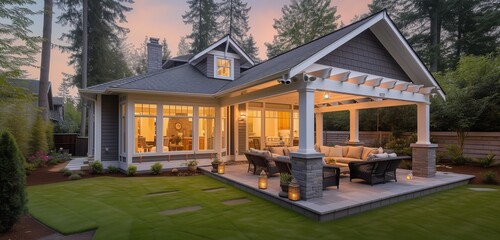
[[307, 169], [424, 160]]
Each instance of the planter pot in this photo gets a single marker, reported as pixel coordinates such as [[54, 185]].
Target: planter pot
[[192, 168], [284, 191], [214, 167]]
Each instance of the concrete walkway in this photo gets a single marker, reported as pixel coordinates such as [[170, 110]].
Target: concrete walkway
[[76, 164]]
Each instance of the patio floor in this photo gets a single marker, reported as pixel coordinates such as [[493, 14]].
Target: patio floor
[[351, 198]]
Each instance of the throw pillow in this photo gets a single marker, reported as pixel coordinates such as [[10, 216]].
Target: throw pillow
[[293, 149], [325, 150], [380, 150], [344, 150], [367, 151], [383, 155], [277, 150], [335, 152], [392, 155], [355, 152]]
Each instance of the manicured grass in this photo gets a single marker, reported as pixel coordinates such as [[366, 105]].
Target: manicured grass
[[120, 208]]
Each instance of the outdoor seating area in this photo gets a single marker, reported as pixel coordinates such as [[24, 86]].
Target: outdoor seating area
[[351, 198], [376, 171]]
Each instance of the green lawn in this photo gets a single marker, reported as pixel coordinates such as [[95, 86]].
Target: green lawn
[[121, 209]]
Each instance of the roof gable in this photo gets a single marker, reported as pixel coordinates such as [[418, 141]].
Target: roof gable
[[227, 44]]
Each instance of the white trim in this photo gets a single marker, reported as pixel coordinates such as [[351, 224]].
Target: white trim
[[98, 127], [231, 67], [224, 54], [216, 44]]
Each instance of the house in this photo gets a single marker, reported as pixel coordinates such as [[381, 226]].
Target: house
[[219, 101], [56, 104]]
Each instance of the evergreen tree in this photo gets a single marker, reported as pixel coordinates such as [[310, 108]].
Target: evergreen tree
[[166, 54], [106, 61], [202, 15], [64, 88], [302, 22], [12, 182], [234, 14], [183, 47], [43, 100], [250, 48], [38, 140], [17, 46]]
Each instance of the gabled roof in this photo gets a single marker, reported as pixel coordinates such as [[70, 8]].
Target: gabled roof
[[227, 40], [187, 79]]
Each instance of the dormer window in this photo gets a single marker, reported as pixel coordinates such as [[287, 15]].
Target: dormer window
[[224, 67]]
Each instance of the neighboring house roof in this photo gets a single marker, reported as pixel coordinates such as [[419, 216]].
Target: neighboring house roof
[[181, 79], [188, 79], [59, 101], [30, 85]]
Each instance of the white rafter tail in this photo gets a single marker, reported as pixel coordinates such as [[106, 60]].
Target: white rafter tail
[[401, 85], [414, 88], [323, 73], [358, 79], [389, 84], [426, 90], [340, 76], [374, 82]]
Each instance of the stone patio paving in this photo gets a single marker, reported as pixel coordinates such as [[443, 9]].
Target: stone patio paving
[[351, 198]]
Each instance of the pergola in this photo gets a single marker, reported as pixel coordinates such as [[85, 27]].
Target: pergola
[[318, 88]]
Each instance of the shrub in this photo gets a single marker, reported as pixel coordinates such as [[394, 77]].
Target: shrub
[[156, 168], [49, 133], [285, 178], [74, 176], [96, 167], [112, 169], [487, 160], [38, 159], [175, 171], [29, 167], [490, 177], [66, 172], [58, 157], [400, 145], [456, 155], [38, 136], [12, 182], [131, 170]]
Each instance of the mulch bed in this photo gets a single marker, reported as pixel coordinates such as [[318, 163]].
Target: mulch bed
[[29, 229]]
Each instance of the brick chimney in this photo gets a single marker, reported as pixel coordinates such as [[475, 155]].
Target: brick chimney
[[154, 54]]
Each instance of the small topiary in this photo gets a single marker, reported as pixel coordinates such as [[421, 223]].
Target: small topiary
[[112, 169], [74, 176], [66, 172], [12, 182], [131, 170], [96, 167], [156, 168]]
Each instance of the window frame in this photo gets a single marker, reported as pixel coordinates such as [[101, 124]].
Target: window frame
[[231, 67]]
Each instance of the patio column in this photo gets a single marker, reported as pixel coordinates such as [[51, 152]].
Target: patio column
[[354, 127], [319, 129], [423, 151], [307, 164]]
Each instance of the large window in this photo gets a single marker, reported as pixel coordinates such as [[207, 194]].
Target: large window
[[223, 127], [295, 128], [145, 127], [278, 128], [206, 128], [223, 67], [177, 128], [254, 123]]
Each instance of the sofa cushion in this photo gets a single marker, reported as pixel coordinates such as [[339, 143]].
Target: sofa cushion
[[378, 155], [278, 150], [367, 151], [291, 149], [354, 152], [325, 150], [329, 160], [344, 150], [264, 153], [335, 152]]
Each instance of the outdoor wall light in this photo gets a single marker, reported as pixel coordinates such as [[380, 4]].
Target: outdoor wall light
[[294, 190], [326, 95], [221, 168], [243, 116], [263, 180]]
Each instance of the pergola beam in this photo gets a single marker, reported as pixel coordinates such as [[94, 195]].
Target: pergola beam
[[363, 105], [258, 94]]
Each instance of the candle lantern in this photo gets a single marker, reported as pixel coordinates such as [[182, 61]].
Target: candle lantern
[[221, 168], [263, 180], [409, 176], [294, 190]]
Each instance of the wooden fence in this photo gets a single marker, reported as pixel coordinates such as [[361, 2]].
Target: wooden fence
[[477, 144], [72, 143]]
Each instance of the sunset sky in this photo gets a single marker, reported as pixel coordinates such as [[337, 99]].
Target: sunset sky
[[163, 19]]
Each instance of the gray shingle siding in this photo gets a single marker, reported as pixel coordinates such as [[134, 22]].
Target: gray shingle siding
[[210, 65], [365, 53], [236, 68], [109, 128], [202, 66]]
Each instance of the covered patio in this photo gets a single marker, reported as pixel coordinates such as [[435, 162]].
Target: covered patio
[[351, 197]]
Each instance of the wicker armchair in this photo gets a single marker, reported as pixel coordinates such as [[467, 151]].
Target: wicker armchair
[[261, 162], [376, 171]]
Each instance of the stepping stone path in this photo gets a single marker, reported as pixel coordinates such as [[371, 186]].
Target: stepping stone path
[[236, 201], [160, 193], [483, 189], [214, 189], [181, 210]]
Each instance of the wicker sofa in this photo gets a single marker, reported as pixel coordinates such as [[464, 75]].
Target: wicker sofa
[[376, 171]]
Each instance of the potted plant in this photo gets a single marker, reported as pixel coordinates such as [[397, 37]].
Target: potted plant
[[192, 165], [285, 179], [215, 164]]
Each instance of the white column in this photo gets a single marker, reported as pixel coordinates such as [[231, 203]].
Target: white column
[[354, 126], [423, 126], [319, 129], [97, 127], [91, 129], [306, 121]]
